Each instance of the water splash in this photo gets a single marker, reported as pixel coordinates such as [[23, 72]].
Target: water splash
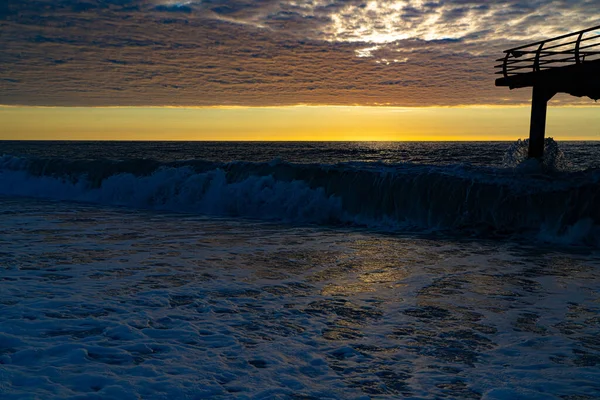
[[554, 159]]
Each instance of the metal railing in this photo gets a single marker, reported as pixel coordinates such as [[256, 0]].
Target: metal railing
[[573, 48]]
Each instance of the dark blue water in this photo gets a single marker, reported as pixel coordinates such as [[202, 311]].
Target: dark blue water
[[299, 270], [581, 154]]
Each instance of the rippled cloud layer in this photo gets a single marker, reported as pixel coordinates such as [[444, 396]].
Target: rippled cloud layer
[[265, 52]]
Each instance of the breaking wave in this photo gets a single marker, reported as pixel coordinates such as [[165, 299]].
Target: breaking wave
[[555, 206]]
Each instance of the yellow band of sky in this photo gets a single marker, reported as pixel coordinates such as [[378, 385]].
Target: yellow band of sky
[[326, 123]]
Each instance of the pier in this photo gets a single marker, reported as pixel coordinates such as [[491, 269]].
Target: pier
[[565, 64]]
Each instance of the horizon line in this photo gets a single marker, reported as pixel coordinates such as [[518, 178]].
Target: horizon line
[[296, 141], [291, 106]]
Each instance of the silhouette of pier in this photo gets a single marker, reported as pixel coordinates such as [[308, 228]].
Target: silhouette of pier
[[564, 64]]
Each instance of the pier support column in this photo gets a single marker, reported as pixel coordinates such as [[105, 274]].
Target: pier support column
[[537, 130]]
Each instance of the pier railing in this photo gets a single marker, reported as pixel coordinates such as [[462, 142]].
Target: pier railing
[[573, 48]]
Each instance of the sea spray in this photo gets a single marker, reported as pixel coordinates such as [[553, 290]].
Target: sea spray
[[554, 159]]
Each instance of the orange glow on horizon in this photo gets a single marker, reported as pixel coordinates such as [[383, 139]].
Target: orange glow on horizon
[[298, 123]]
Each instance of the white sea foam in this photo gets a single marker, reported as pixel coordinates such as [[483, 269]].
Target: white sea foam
[[105, 303]]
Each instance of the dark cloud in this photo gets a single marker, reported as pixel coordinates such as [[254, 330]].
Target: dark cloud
[[174, 8], [264, 52]]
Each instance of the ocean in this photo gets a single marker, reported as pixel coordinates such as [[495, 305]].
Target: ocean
[[224, 270]]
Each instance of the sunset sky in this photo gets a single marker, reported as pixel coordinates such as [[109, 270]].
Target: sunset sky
[[277, 70]]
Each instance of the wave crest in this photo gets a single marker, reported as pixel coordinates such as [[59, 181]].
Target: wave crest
[[561, 205]]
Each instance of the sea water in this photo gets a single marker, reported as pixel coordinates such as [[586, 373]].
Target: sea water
[[167, 270]]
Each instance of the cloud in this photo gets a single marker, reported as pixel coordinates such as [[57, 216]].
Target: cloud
[[264, 52]]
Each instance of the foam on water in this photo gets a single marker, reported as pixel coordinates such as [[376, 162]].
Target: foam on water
[[103, 303]]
